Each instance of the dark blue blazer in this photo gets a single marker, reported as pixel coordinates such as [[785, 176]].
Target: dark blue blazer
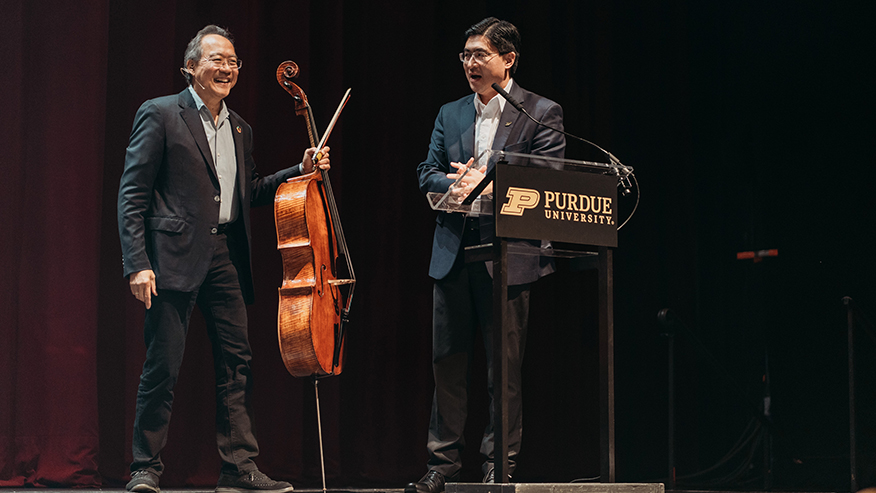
[[168, 196], [453, 141]]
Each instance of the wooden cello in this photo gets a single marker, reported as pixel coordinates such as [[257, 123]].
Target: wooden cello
[[315, 298]]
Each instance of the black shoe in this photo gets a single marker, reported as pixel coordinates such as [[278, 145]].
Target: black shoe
[[490, 477], [250, 481], [432, 482], [143, 481]]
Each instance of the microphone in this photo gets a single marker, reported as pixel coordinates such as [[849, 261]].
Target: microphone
[[611, 157], [514, 102], [185, 71]]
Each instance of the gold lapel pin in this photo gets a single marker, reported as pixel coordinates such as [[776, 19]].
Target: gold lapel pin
[[507, 124]]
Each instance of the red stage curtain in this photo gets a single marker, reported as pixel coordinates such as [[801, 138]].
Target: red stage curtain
[[54, 108], [75, 73]]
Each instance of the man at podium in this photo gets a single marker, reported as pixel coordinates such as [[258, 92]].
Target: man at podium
[[462, 293]]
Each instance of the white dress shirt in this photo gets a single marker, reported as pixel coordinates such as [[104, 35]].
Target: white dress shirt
[[486, 124]]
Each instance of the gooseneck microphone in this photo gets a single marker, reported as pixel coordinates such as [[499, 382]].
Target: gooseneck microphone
[[516, 104], [622, 171]]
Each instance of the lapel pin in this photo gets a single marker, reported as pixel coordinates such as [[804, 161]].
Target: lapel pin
[[240, 130], [507, 124]]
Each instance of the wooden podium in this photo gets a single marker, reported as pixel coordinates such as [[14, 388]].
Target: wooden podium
[[571, 206]]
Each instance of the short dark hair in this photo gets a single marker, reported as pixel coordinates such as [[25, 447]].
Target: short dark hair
[[193, 50], [502, 34]]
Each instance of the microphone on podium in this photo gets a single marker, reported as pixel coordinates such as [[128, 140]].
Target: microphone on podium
[[516, 104], [623, 172]]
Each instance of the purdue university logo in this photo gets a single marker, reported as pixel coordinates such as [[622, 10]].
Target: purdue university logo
[[560, 206], [519, 200]]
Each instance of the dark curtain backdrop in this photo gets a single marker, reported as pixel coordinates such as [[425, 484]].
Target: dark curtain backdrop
[[750, 126]]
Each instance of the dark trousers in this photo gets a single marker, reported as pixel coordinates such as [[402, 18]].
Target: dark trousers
[[462, 302], [220, 300]]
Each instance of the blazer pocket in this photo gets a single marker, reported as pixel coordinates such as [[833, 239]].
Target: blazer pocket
[[168, 224]]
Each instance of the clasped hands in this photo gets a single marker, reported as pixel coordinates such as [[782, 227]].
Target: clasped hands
[[468, 182]]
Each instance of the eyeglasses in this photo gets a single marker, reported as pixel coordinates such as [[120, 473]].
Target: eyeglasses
[[217, 61], [479, 56]]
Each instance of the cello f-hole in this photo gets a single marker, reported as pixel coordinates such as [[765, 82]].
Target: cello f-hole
[[321, 290]]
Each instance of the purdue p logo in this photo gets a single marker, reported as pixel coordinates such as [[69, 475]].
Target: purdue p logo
[[519, 200]]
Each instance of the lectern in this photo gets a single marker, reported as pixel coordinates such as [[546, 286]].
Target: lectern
[[571, 207]]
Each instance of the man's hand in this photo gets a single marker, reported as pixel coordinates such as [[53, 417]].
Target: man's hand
[[469, 181], [143, 286], [323, 163]]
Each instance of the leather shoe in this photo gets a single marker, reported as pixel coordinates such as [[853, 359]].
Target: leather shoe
[[432, 482], [143, 481], [248, 482], [490, 476]]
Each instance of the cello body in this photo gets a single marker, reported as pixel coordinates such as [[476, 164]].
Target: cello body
[[313, 307], [309, 307]]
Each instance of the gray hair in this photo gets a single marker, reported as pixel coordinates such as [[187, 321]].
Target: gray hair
[[193, 50]]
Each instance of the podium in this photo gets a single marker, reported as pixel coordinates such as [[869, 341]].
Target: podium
[[571, 207]]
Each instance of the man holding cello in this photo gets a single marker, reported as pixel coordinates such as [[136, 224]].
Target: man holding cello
[[183, 211]]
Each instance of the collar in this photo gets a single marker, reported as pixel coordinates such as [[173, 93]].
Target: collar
[[199, 104], [480, 107]]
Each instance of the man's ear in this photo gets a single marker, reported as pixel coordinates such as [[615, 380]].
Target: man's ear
[[509, 59]]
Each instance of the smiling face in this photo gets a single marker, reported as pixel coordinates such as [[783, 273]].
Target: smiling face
[[213, 83], [495, 68]]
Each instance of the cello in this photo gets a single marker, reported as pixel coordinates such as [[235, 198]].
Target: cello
[[314, 306]]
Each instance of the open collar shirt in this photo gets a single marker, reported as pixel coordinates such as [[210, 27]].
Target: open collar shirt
[[486, 124], [224, 157]]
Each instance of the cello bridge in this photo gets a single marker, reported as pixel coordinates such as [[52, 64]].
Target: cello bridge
[[340, 282]]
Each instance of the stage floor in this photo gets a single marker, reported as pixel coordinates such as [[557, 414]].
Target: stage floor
[[193, 490], [608, 487]]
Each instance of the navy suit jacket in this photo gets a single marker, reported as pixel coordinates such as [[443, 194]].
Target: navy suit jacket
[[169, 195], [453, 141]]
